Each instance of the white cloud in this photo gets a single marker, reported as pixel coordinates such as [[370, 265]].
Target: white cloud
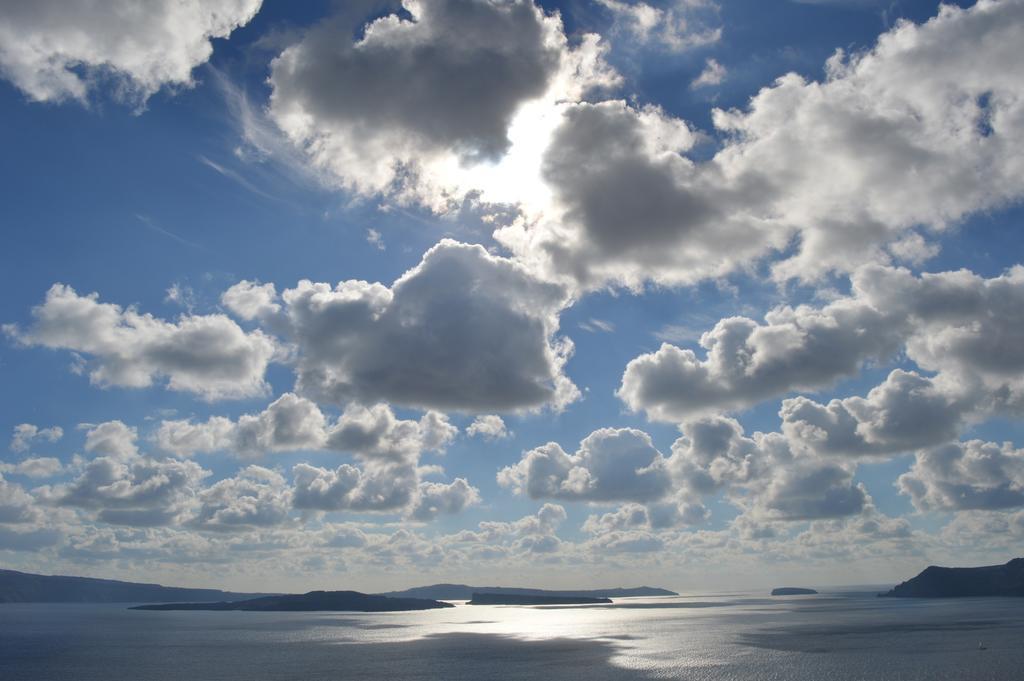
[[54, 50], [255, 497], [291, 423], [208, 355], [763, 474], [633, 517], [374, 238], [251, 300], [379, 486], [610, 465], [387, 479], [973, 475], [532, 534], [593, 325], [111, 439], [905, 412], [436, 498], [124, 487], [34, 467], [384, 487], [681, 25], [26, 433], [713, 74], [489, 427], [819, 166], [935, 102], [185, 438], [16, 505]]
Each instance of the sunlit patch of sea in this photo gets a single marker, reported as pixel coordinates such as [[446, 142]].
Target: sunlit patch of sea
[[701, 637]]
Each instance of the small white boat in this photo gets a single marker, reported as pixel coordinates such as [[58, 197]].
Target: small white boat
[[982, 646]]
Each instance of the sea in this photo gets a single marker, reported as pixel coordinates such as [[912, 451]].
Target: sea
[[734, 636]]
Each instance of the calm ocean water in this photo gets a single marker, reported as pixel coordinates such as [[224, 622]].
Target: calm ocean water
[[735, 637]]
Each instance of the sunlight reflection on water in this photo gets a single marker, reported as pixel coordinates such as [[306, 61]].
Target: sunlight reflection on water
[[702, 637]]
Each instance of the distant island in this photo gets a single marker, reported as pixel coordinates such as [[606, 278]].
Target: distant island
[[462, 592], [25, 587], [792, 591], [314, 601], [944, 582], [492, 598]]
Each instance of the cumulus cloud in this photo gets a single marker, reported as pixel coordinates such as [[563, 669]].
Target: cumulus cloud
[[610, 465], [54, 50], [437, 497], [968, 328], [387, 479], [208, 355], [973, 475], [250, 300], [112, 439], [631, 207], [903, 413], [292, 423], [382, 487], [254, 497], [124, 487], [34, 467], [489, 427], [532, 534], [16, 505], [375, 433], [289, 423], [409, 101], [26, 433], [821, 167], [185, 438], [923, 102], [632, 517], [462, 330], [763, 474]]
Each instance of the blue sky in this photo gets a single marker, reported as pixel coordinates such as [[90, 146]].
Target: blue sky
[[162, 180]]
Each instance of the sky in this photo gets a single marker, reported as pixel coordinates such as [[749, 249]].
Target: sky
[[701, 294]]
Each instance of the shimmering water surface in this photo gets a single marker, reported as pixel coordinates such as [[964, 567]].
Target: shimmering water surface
[[724, 636]]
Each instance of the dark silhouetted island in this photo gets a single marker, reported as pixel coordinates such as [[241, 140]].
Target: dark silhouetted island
[[462, 592], [793, 591], [491, 598], [24, 587], [943, 582], [314, 601]]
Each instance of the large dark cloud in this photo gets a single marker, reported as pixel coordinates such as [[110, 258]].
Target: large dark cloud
[[462, 330], [440, 85]]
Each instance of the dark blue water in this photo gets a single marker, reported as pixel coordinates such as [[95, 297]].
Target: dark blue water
[[701, 637]]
